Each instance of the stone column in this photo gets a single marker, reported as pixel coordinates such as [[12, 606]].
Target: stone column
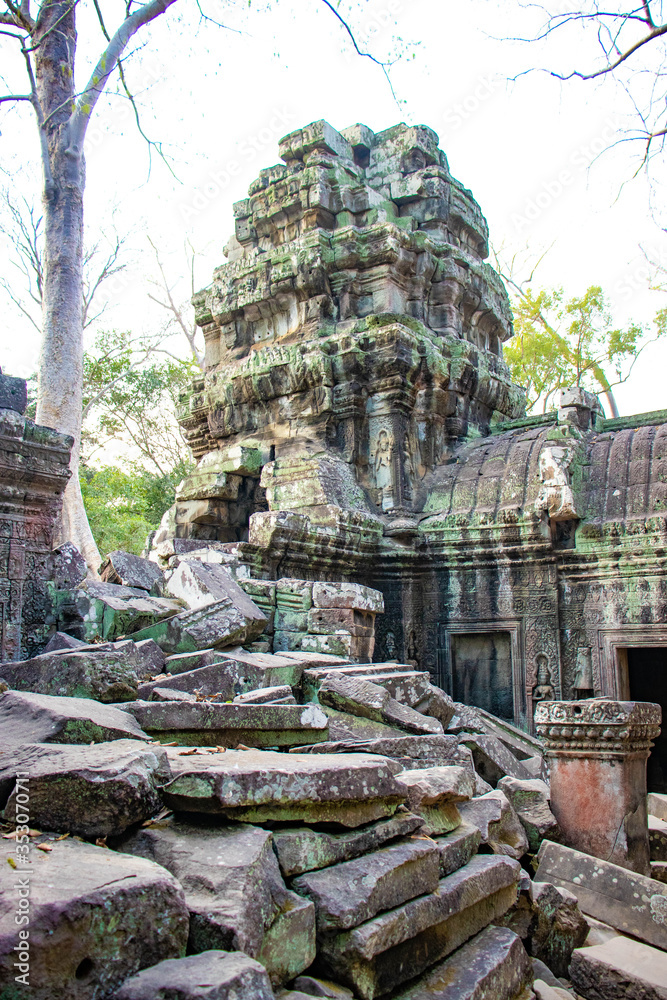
[[597, 751]]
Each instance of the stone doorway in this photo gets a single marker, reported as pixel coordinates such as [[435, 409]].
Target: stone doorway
[[482, 672], [646, 668]]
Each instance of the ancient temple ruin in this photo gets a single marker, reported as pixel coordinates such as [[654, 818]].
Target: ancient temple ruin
[[370, 718], [356, 422]]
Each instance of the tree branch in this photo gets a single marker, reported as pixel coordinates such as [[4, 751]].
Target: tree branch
[[107, 62], [365, 55]]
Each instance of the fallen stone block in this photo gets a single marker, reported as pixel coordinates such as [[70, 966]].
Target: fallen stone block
[[290, 945], [499, 825], [257, 670], [303, 849], [213, 724], [150, 659], [215, 679], [520, 743], [357, 648], [331, 621], [433, 794], [42, 718], [258, 786], [347, 595], [129, 570], [220, 624], [466, 719], [437, 704], [401, 944], [93, 791], [347, 728], [110, 611], [493, 966], [457, 848], [211, 975], [411, 751], [96, 918], [61, 640], [530, 801], [406, 687], [659, 870], [181, 663], [281, 695], [200, 585], [295, 595], [103, 676], [621, 969], [169, 694], [314, 660], [230, 875], [548, 920], [370, 701], [347, 894], [313, 987], [630, 902], [493, 760], [66, 567]]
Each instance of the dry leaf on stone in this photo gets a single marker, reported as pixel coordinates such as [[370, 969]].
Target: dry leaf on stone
[[11, 862], [100, 842], [44, 847], [157, 819], [63, 836], [241, 746]]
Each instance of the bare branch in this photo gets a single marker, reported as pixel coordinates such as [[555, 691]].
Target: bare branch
[[366, 55], [107, 63], [15, 97]]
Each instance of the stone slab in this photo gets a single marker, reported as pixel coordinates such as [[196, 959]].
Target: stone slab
[[630, 902], [493, 760], [233, 887], [347, 728], [410, 751], [290, 944], [13, 393], [492, 966], [347, 894], [399, 945], [530, 801], [303, 849], [93, 791], [267, 696], [499, 825], [104, 675], [61, 640], [96, 918], [41, 718], [266, 786], [621, 969], [457, 848], [215, 679], [130, 570], [211, 975], [206, 723], [433, 793], [657, 805], [219, 625], [360, 697]]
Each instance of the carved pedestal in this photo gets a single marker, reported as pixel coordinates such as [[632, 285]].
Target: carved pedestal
[[597, 750]]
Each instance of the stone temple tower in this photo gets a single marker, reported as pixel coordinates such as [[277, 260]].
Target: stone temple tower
[[353, 338]]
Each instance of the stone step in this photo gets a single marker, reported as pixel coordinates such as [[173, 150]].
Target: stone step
[[492, 966], [262, 786], [206, 723], [302, 849], [620, 968], [457, 848], [410, 687], [352, 892], [398, 945]]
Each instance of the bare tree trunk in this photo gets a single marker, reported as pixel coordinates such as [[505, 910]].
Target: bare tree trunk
[[59, 402]]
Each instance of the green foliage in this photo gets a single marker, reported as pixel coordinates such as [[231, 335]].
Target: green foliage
[[123, 507], [560, 343], [131, 397]]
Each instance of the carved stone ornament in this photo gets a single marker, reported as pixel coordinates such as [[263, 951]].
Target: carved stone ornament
[[598, 725]]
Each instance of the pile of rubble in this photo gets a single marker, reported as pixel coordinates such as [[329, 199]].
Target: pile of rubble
[[188, 818]]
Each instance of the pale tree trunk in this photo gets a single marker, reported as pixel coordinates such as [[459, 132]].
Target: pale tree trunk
[[48, 45], [59, 401]]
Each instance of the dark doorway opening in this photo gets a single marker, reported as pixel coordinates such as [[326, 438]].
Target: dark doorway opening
[[647, 676], [482, 672]]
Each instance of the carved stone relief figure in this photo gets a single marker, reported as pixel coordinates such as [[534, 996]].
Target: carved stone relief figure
[[382, 468], [390, 646], [583, 677], [543, 690]]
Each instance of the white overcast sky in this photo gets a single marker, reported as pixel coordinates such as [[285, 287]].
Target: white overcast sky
[[220, 100]]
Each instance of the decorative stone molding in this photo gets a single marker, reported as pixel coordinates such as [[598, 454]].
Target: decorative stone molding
[[598, 726]]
